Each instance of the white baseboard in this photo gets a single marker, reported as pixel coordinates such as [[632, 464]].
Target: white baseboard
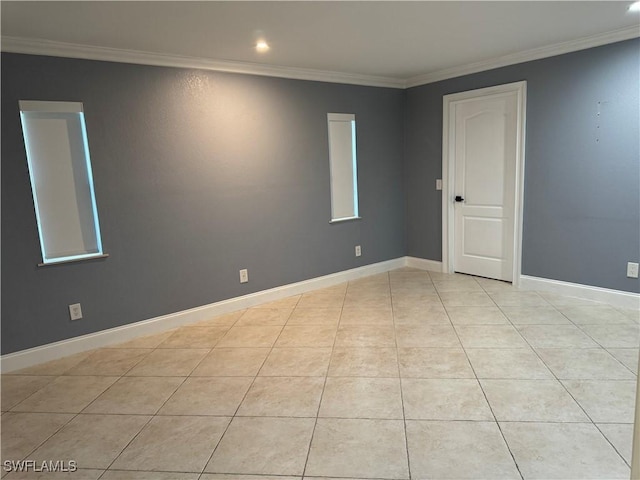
[[424, 264], [615, 298], [63, 348]]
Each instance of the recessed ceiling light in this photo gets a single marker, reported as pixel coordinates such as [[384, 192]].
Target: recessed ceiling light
[[634, 7], [262, 46]]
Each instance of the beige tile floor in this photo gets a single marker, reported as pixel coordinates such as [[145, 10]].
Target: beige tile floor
[[401, 375]]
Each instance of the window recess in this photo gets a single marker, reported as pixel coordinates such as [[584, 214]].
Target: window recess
[[343, 167], [55, 139]]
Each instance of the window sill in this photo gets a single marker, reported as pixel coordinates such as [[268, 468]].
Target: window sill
[[82, 258], [347, 219]]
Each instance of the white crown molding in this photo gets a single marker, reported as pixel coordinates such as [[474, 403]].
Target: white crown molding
[[526, 56], [32, 46], [59, 49]]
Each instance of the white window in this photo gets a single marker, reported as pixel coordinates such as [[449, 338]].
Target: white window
[[342, 164], [55, 139]]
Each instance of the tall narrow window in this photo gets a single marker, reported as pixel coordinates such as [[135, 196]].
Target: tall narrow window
[[55, 138], [342, 163]]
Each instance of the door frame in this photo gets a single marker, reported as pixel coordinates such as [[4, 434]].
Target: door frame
[[448, 169]]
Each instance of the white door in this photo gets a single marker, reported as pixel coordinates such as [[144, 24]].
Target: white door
[[485, 149]]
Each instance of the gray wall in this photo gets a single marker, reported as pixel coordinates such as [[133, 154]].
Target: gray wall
[[582, 171], [197, 174]]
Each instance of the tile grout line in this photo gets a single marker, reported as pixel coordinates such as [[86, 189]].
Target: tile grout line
[[202, 473], [324, 385], [578, 326], [232, 417], [74, 415], [484, 394], [404, 415], [154, 415], [567, 390]]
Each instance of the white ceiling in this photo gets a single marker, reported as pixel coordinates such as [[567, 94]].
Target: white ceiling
[[397, 41]]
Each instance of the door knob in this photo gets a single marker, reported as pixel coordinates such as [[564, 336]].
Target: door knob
[[459, 198]]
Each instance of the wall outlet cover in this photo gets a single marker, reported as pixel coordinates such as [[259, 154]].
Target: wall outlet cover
[[632, 270], [358, 251], [75, 311], [244, 275]]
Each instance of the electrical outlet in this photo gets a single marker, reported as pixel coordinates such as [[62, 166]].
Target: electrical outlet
[[632, 270], [358, 251], [439, 184], [244, 275], [75, 311]]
